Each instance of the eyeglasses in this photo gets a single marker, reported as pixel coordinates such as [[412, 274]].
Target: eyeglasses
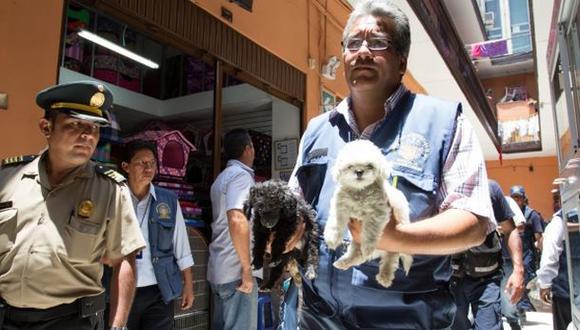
[[376, 44]]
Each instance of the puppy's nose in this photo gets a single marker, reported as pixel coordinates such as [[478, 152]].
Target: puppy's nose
[[359, 173]]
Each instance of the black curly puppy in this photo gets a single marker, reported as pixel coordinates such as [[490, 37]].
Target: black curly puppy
[[275, 210]]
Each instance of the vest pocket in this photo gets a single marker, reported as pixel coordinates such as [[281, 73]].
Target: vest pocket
[[422, 180], [165, 235], [7, 229]]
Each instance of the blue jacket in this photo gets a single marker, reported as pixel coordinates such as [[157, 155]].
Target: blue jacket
[[162, 214], [415, 137]]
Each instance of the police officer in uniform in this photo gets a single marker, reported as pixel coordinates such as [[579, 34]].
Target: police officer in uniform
[[531, 243], [61, 217], [477, 272]]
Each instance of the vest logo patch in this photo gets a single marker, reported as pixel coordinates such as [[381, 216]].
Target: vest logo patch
[[163, 211], [413, 151]]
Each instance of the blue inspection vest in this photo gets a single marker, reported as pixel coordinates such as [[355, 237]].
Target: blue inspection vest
[[560, 284], [162, 213], [415, 138]]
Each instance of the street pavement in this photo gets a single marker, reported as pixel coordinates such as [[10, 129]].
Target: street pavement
[[535, 321]]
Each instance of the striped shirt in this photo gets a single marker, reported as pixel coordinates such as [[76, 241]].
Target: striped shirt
[[464, 179]]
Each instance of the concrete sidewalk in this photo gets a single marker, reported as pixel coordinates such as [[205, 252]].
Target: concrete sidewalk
[[535, 321]]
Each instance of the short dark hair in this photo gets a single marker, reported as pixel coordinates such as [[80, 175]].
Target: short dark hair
[[235, 142], [50, 115], [137, 145]]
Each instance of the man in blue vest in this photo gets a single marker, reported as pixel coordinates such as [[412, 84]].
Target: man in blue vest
[[553, 272], [164, 266], [531, 243], [436, 162]]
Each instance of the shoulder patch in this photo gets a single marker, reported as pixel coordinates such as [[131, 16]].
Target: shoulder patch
[[110, 173], [17, 160]]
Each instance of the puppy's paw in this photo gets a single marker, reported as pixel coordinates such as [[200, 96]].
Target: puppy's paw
[[310, 273], [342, 264], [332, 237], [407, 262], [385, 279]]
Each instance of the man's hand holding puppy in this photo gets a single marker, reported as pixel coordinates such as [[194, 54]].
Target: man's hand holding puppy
[[445, 233]]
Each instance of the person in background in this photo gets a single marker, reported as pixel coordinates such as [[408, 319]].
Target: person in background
[[62, 217], [477, 273], [553, 272], [437, 164], [508, 305], [164, 266], [531, 244], [234, 286]]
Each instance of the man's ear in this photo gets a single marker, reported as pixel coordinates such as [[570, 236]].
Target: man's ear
[[125, 166], [45, 127], [403, 65]]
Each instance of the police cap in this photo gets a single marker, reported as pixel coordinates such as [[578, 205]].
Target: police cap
[[518, 190], [87, 100]]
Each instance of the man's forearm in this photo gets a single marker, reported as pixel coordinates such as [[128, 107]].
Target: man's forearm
[[187, 277], [239, 228], [446, 233], [515, 250], [122, 290]]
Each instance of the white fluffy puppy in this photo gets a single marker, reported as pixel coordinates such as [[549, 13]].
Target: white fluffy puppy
[[364, 193]]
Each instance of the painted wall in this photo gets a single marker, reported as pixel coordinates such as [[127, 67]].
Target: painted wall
[[535, 174], [30, 34]]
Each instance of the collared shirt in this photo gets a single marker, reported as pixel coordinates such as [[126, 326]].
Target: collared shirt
[[53, 237], [228, 192], [464, 179], [181, 248], [552, 248]]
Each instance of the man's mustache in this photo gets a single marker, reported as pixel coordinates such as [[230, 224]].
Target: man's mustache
[[365, 63]]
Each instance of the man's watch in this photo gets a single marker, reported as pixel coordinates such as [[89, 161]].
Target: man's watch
[[119, 328]]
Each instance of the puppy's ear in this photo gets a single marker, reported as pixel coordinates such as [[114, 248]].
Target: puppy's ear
[[249, 203], [336, 169], [385, 169]]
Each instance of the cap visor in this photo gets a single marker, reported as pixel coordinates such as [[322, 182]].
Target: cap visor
[[97, 120]]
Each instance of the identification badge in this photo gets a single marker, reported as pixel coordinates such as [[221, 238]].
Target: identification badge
[[85, 209]]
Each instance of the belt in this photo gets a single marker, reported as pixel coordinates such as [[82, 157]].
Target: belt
[[83, 307]]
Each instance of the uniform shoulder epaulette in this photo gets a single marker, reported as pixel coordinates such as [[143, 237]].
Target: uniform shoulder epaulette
[[110, 173], [11, 161]]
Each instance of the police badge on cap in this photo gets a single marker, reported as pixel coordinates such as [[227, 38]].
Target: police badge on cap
[[87, 100]]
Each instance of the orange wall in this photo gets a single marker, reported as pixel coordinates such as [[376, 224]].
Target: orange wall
[[295, 31], [499, 84], [30, 33], [536, 180]]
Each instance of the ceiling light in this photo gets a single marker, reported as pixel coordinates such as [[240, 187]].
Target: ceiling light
[[116, 48]]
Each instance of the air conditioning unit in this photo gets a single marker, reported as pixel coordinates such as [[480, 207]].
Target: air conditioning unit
[[489, 19]]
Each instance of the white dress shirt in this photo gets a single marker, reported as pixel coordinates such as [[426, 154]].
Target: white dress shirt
[[552, 249], [181, 248]]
